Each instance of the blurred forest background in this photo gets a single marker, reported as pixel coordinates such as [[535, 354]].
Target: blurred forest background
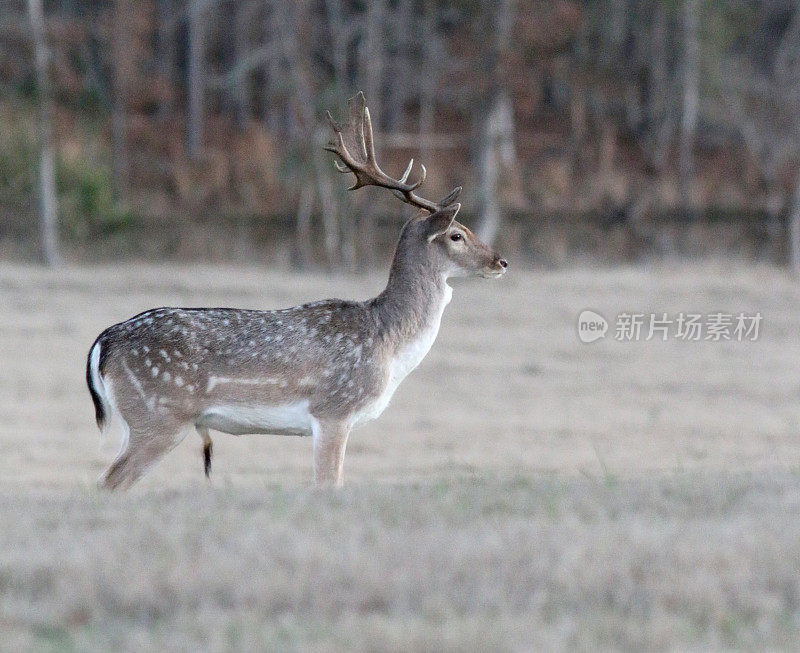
[[581, 131]]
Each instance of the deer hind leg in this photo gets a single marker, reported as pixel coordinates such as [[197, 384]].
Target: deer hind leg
[[330, 442], [145, 446], [208, 448]]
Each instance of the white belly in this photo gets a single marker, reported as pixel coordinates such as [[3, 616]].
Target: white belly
[[288, 419]]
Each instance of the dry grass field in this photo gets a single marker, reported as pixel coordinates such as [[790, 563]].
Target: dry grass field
[[523, 490]]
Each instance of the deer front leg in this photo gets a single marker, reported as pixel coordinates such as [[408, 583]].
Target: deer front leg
[[330, 441]]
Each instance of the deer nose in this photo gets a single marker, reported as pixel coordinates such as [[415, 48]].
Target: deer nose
[[502, 263]]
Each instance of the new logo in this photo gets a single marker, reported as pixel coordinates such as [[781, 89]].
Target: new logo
[[591, 326]]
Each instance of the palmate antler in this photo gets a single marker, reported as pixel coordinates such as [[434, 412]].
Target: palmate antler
[[355, 148]]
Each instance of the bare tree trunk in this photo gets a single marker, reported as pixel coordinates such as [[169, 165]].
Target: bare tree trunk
[[196, 75], [794, 230], [497, 149], [658, 113], [429, 78], [336, 26], [616, 16], [304, 102], [398, 33], [340, 42], [121, 48], [372, 56], [498, 130], [690, 99], [166, 54], [329, 206], [372, 62], [243, 13], [273, 73], [47, 158], [305, 253], [661, 124]]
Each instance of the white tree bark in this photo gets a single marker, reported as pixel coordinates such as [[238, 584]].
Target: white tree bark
[[497, 151], [497, 147], [47, 158]]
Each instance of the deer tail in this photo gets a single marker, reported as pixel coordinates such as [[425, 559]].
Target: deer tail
[[97, 389]]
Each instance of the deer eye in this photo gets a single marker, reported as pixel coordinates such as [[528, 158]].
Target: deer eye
[[456, 236]]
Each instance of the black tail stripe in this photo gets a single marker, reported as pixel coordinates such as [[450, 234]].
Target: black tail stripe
[[99, 411]]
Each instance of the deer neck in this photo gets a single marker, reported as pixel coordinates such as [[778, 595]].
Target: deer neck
[[411, 306]]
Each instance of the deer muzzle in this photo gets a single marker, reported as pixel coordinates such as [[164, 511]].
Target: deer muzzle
[[496, 269]]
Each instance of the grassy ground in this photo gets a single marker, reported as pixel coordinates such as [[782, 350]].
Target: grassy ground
[[472, 563], [522, 490]]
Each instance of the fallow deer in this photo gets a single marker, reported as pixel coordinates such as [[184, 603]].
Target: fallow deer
[[317, 369]]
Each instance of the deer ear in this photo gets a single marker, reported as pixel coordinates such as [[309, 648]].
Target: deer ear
[[439, 222]]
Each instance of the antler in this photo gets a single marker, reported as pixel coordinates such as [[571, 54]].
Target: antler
[[355, 148]]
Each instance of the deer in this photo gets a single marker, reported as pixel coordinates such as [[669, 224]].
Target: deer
[[318, 369]]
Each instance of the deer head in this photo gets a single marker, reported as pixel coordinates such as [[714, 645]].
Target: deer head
[[448, 246], [433, 235]]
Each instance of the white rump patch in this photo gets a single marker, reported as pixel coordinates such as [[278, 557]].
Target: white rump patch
[[116, 432]]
